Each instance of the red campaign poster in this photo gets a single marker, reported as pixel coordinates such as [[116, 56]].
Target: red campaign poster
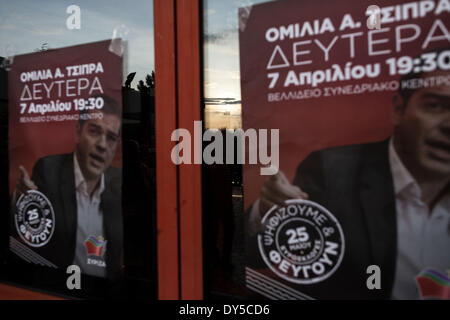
[[360, 96], [65, 159]]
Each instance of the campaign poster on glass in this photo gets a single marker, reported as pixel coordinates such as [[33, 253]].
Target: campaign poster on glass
[[358, 206], [65, 158]]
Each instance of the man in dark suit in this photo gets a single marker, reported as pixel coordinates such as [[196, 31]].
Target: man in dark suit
[[85, 193], [392, 198]]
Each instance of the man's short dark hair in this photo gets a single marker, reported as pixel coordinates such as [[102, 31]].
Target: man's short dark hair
[[110, 106], [406, 93]]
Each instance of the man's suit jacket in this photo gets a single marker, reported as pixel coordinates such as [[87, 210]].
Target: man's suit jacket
[[54, 176], [355, 184]]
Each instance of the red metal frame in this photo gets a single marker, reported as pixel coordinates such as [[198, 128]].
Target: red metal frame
[[166, 171], [178, 87], [8, 292], [189, 88]]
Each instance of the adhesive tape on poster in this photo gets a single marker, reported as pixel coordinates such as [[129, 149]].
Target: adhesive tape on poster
[[244, 14], [9, 54], [119, 36]]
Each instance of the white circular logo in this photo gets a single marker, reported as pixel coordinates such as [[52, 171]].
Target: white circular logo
[[302, 242], [34, 218]]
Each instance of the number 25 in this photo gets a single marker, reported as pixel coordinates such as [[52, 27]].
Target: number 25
[[297, 235], [32, 214]]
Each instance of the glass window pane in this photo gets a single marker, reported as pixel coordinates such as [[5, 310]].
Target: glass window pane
[[342, 190], [225, 225], [78, 145]]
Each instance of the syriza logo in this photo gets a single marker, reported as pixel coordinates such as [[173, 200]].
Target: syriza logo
[[95, 246], [95, 250], [301, 242], [34, 218]]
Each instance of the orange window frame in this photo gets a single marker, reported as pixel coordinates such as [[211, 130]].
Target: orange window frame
[[179, 194]]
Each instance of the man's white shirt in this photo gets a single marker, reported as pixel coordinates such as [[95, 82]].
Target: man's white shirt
[[423, 237], [89, 220]]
